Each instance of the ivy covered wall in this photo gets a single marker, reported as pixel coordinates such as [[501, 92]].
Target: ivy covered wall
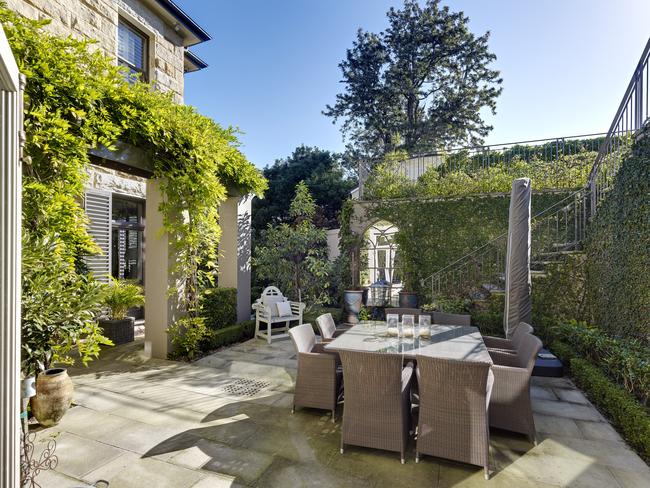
[[434, 233], [618, 251]]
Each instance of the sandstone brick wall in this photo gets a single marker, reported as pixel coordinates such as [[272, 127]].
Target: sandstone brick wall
[[98, 19]]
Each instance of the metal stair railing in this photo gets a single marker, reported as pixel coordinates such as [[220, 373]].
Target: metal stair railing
[[561, 227], [557, 229]]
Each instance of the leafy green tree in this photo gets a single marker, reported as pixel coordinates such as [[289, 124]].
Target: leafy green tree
[[324, 173], [59, 308], [419, 85], [293, 256]]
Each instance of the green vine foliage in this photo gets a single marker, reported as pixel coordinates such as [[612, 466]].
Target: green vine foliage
[[433, 233], [457, 176], [293, 256], [617, 249], [77, 99]]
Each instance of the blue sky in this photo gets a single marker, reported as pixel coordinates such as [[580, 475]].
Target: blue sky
[[274, 65]]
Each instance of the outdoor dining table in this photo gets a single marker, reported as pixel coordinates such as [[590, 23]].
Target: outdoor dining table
[[444, 341]]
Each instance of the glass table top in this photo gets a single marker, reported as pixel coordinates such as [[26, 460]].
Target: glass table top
[[445, 341]]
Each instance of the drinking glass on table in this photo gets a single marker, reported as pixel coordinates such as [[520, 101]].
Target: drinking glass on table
[[424, 325], [392, 321], [408, 323]]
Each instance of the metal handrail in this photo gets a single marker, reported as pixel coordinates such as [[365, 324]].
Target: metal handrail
[[553, 148], [491, 242], [631, 116]]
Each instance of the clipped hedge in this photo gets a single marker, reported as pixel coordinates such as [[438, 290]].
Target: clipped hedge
[[625, 412], [625, 361], [225, 336], [219, 307]]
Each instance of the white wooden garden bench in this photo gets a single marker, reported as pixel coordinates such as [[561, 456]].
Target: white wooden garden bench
[[268, 312]]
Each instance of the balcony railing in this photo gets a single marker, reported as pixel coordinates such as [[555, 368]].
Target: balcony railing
[[473, 159], [562, 227]]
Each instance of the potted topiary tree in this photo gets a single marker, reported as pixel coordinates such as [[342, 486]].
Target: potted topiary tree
[[408, 298], [120, 297], [59, 324]]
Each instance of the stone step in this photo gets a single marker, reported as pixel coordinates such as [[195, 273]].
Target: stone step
[[558, 254]]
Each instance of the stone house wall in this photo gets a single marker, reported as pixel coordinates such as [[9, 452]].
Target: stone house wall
[[98, 20]]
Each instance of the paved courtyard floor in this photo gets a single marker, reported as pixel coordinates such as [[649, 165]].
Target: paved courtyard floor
[[225, 421]]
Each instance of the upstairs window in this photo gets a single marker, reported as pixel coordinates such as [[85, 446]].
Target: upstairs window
[[132, 48]]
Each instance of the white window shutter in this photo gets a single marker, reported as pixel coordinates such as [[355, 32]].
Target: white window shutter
[[98, 208]]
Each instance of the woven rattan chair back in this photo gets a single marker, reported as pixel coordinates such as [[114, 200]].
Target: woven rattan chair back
[[441, 318], [527, 351], [521, 332], [453, 419], [326, 325], [376, 412]]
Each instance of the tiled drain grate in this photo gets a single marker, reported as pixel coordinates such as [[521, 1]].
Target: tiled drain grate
[[245, 387]]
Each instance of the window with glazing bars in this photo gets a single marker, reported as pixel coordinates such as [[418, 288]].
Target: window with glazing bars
[[132, 48]]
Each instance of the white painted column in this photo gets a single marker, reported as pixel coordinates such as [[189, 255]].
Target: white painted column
[[10, 264], [235, 251], [160, 309]]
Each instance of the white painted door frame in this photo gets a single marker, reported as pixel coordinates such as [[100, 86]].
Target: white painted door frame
[[11, 110]]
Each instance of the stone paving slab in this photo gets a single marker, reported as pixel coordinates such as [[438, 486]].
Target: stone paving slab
[[166, 424]]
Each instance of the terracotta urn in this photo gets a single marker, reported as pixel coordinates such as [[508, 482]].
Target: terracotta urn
[[53, 396]]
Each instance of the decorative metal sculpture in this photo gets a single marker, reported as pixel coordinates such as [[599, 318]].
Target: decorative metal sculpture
[[30, 468]]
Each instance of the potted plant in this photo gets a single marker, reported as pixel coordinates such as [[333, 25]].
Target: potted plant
[[407, 297], [352, 303], [120, 296], [59, 323]]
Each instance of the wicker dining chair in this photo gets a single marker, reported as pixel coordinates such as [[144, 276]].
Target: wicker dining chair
[[441, 318], [453, 415], [510, 406], [416, 312], [509, 345], [376, 412], [327, 327], [318, 381]]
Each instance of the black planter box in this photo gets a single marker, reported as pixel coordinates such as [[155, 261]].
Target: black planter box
[[118, 331]]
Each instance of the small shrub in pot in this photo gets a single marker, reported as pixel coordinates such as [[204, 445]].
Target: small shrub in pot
[[120, 296]]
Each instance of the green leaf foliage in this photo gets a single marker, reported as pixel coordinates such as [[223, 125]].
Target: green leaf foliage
[[433, 233], [567, 172], [293, 256], [59, 308], [626, 413], [419, 85], [625, 361], [323, 172], [120, 296], [187, 335], [219, 307], [618, 250], [77, 99]]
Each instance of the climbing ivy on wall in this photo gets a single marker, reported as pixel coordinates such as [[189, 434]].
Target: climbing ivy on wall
[[432, 233], [77, 99], [463, 178], [618, 251]]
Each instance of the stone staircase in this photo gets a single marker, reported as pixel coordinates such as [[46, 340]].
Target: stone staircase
[[556, 232]]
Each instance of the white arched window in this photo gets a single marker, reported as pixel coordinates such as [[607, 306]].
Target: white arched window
[[381, 255]]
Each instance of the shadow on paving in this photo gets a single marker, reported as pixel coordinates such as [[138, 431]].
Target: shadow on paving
[[256, 441]]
